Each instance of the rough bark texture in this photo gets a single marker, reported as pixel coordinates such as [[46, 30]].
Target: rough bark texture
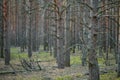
[[92, 56], [6, 33], [60, 53]]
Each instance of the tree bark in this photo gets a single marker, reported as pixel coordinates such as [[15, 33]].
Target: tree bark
[[23, 27], [6, 32], [118, 43], [1, 31], [60, 53], [92, 56], [30, 31], [67, 37]]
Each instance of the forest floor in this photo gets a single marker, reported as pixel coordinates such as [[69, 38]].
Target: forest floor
[[50, 71]]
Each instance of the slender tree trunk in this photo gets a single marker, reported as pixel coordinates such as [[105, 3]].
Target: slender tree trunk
[[60, 53], [23, 29], [92, 58], [46, 31], [1, 31], [84, 35], [55, 38], [6, 33], [30, 31], [37, 26], [67, 38], [117, 48], [16, 16], [118, 44], [107, 34], [19, 24]]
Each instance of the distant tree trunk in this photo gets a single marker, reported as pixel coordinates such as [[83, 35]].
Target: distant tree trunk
[[92, 58], [55, 41], [73, 26], [55, 32], [118, 43], [16, 20], [67, 38], [37, 26], [84, 33], [118, 69], [23, 27], [34, 28], [55, 38], [19, 23], [1, 30], [30, 31], [6, 32], [46, 31], [100, 36], [107, 34], [49, 33], [46, 28], [117, 31]]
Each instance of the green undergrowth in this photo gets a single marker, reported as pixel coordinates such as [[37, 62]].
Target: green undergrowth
[[75, 60], [23, 77], [41, 56], [15, 54], [109, 76], [76, 76], [67, 77], [101, 62], [45, 56]]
